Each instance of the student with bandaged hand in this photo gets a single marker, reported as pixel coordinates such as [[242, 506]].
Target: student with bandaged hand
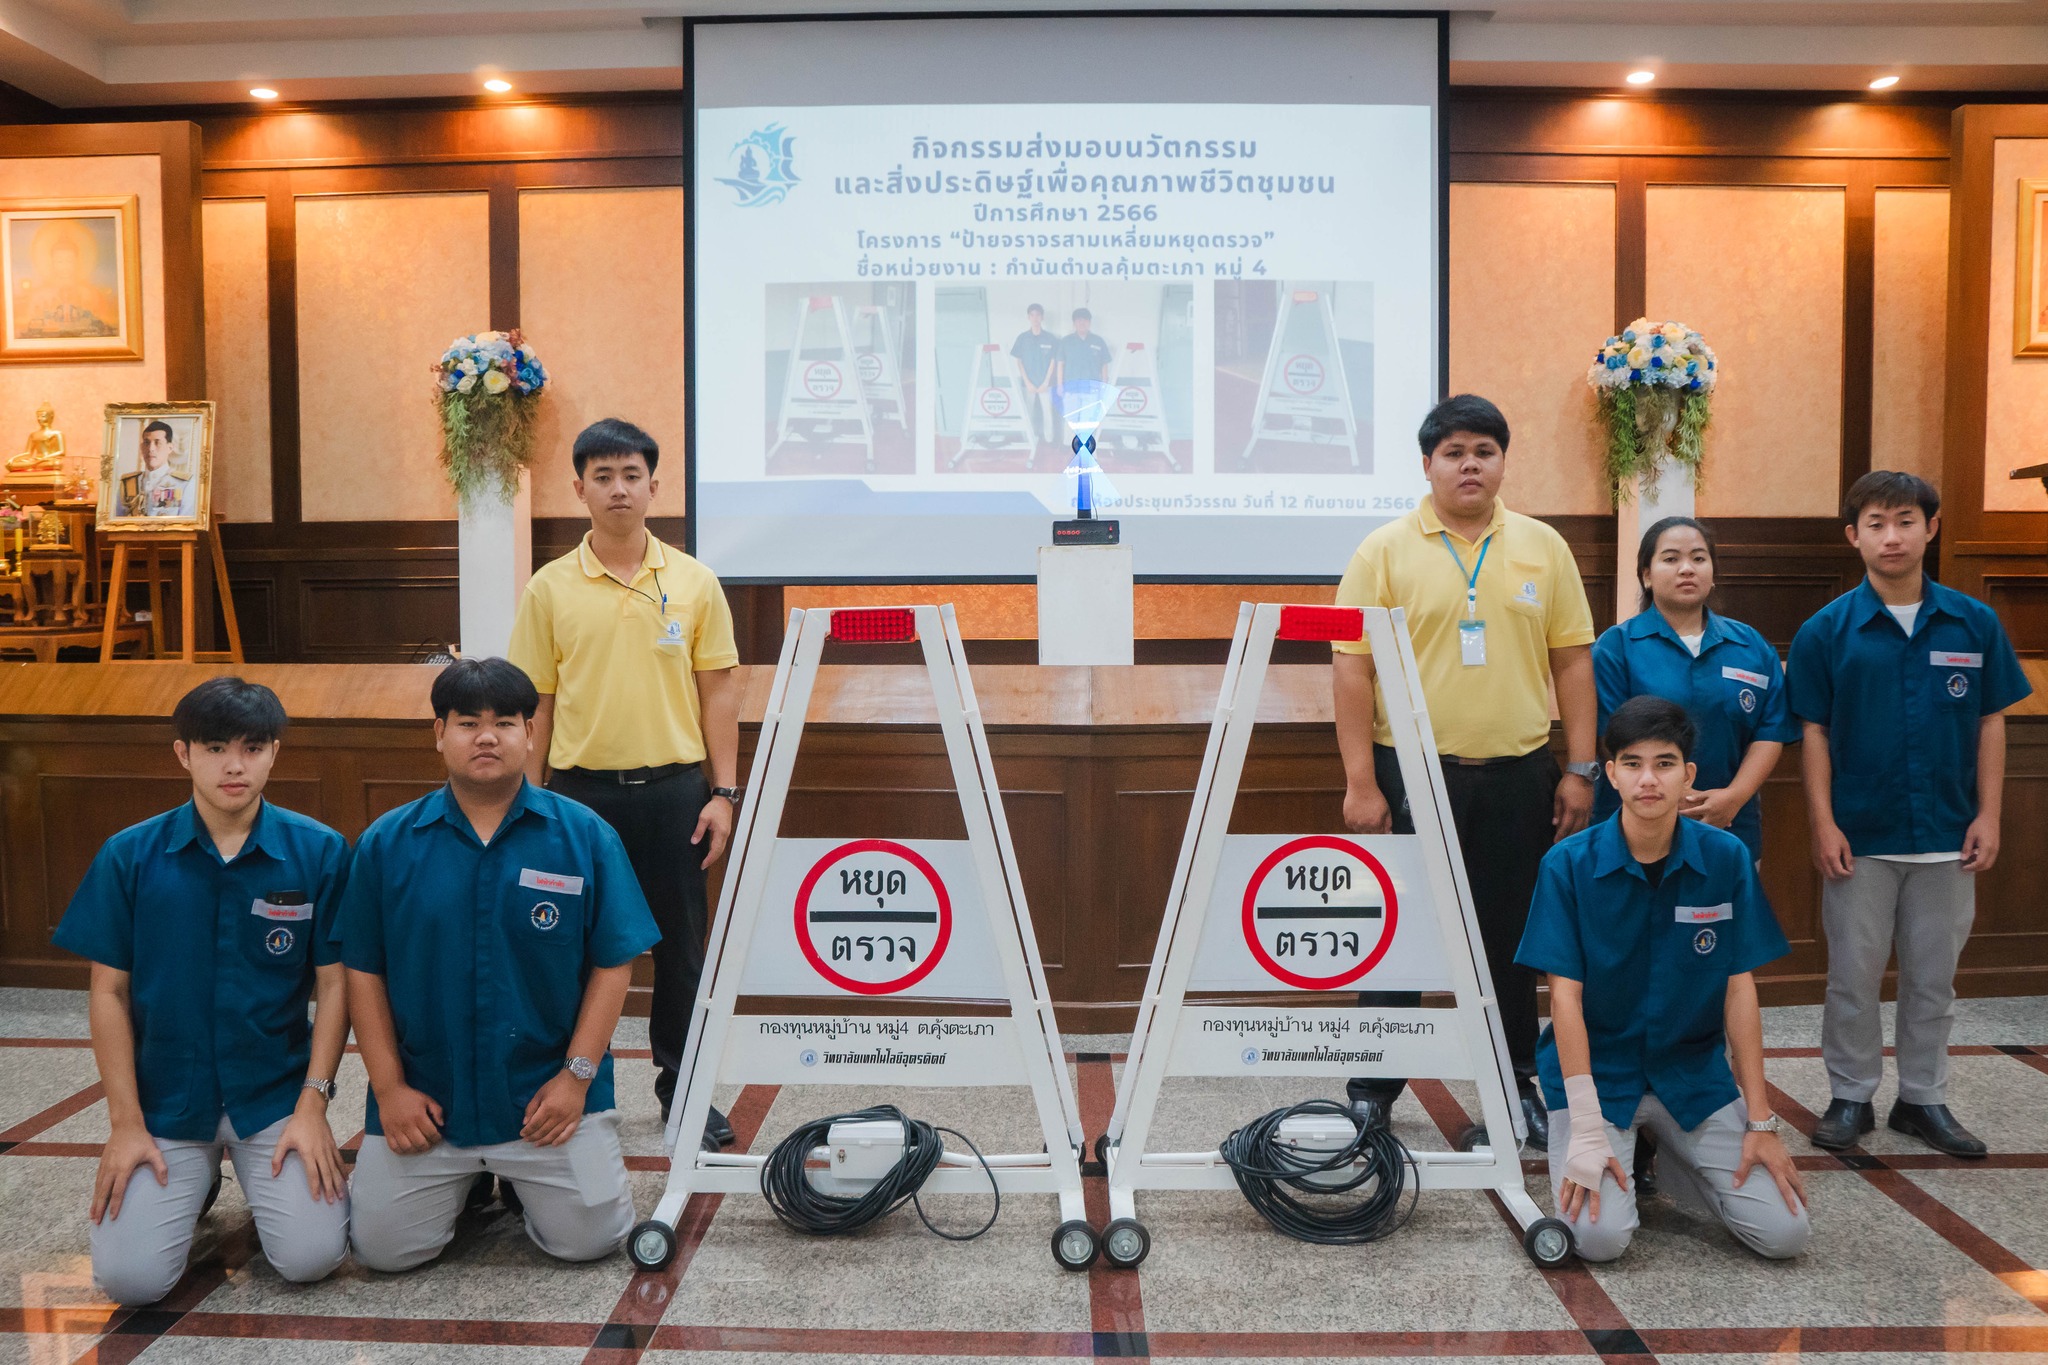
[[1650, 929]]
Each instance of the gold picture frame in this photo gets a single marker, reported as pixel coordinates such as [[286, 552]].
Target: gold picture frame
[[70, 280], [2030, 272], [156, 467]]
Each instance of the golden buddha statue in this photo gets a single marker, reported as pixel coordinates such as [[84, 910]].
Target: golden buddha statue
[[44, 453]]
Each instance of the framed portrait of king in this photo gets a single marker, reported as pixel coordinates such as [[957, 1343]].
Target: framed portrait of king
[[2030, 271], [156, 471], [71, 270]]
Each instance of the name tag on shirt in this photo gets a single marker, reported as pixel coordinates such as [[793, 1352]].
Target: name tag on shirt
[[269, 911], [1472, 644], [1705, 914], [1743, 675], [550, 881], [1942, 658]]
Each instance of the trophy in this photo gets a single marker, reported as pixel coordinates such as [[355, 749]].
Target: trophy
[[1082, 404]]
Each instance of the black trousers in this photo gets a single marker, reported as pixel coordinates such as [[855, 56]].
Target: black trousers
[[654, 821], [1502, 812]]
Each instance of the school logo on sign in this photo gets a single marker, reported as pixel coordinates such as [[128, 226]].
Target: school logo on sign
[[1958, 685], [763, 165], [545, 915], [1746, 699], [1703, 942], [278, 941]]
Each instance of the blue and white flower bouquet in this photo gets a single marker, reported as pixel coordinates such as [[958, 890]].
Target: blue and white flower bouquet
[[1653, 385], [487, 387]]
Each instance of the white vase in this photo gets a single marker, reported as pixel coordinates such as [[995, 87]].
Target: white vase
[[1647, 501], [495, 558]]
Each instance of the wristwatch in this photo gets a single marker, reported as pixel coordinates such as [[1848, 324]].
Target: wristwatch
[[327, 1089], [1769, 1125], [732, 794], [582, 1068], [1589, 771]]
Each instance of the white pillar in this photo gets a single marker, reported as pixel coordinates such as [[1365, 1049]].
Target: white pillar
[[1087, 606], [495, 559], [1670, 495]]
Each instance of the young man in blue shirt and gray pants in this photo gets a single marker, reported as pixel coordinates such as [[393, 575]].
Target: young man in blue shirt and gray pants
[[1902, 686]]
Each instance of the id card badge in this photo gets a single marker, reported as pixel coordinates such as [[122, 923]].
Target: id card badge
[[1472, 644]]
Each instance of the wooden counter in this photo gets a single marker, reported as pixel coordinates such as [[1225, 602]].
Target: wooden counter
[[1097, 766]]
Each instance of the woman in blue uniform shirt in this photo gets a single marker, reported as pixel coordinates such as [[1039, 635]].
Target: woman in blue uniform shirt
[[1724, 673]]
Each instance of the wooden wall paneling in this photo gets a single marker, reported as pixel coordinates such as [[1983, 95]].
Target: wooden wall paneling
[[1859, 308], [1993, 554]]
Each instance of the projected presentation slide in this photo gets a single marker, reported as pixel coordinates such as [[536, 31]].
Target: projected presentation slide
[[930, 255]]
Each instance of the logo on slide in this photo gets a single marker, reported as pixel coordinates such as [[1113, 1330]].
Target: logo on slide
[[763, 167]]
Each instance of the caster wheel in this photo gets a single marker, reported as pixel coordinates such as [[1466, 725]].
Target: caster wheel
[[1473, 1138], [1101, 1146], [652, 1245], [1125, 1243], [1548, 1242], [1074, 1245]]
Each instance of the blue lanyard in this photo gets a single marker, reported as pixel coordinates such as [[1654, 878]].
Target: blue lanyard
[[1472, 578]]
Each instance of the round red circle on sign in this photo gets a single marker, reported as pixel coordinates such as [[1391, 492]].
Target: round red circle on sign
[[995, 402], [1304, 374], [854, 984], [1250, 920], [822, 379]]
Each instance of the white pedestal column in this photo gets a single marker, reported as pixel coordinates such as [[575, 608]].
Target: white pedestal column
[[495, 559], [1671, 495], [1087, 604]]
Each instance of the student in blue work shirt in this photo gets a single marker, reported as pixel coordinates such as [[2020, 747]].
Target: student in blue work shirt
[[1650, 927], [489, 931], [1902, 686], [1724, 673], [208, 929]]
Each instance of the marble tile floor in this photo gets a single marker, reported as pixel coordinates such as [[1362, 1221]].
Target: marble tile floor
[[1917, 1258]]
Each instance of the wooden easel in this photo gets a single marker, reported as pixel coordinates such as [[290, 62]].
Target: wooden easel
[[151, 543]]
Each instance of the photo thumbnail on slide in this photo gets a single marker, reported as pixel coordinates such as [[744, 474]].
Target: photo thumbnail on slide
[[1011, 357], [1294, 376], [841, 375]]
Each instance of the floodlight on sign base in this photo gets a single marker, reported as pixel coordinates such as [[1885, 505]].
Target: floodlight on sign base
[[1082, 405]]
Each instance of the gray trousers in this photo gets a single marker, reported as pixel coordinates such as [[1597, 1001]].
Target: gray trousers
[[1699, 1169], [1926, 909], [579, 1206], [138, 1257]]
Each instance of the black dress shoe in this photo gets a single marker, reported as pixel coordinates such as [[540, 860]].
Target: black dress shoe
[[1538, 1119], [1372, 1111], [1845, 1121], [1644, 1177], [718, 1128], [1935, 1126]]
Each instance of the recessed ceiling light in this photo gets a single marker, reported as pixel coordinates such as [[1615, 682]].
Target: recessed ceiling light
[[1884, 82], [263, 92], [497, 87], [1641, 77]]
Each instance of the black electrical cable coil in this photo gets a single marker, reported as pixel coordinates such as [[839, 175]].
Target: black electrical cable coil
[[1267, 1172], [805, 1208]]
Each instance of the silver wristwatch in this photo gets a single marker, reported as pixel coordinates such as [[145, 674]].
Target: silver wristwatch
[[1769, 1125], [1589, 771], [582, 1068], [327, 1089]]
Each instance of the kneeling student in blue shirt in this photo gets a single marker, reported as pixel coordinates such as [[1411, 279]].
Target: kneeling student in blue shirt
[[489, 931], [208, 928], [1649, 927]]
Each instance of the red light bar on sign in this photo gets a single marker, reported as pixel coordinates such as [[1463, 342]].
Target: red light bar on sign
[[873, 625], [1311, 623]]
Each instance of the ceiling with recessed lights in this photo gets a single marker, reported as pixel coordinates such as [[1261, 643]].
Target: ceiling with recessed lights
[[125, 52]]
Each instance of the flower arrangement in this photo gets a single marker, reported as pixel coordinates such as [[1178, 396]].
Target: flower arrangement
[[486, 386], [1653, 384]]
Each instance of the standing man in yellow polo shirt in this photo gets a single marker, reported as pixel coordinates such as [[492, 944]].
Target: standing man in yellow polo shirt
[[1497, 614], [629, 642]]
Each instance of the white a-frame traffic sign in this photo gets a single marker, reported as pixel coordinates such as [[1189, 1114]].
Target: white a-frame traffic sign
[[1134, 418], [1317, 912], [930, 922], [824, 400], [994, 419], [1304, 394]]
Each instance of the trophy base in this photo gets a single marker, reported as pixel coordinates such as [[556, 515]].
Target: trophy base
[[1089, 532]]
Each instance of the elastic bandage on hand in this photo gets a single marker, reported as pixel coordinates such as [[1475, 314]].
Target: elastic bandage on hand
[[1588, 1151]]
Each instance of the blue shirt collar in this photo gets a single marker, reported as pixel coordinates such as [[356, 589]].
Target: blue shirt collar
[[185, 827], [1645, 624], [442, 805], [1870, 607], [1611, 852]]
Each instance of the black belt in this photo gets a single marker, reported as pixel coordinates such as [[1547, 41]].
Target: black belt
[[630, 777], [1455, 761]]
